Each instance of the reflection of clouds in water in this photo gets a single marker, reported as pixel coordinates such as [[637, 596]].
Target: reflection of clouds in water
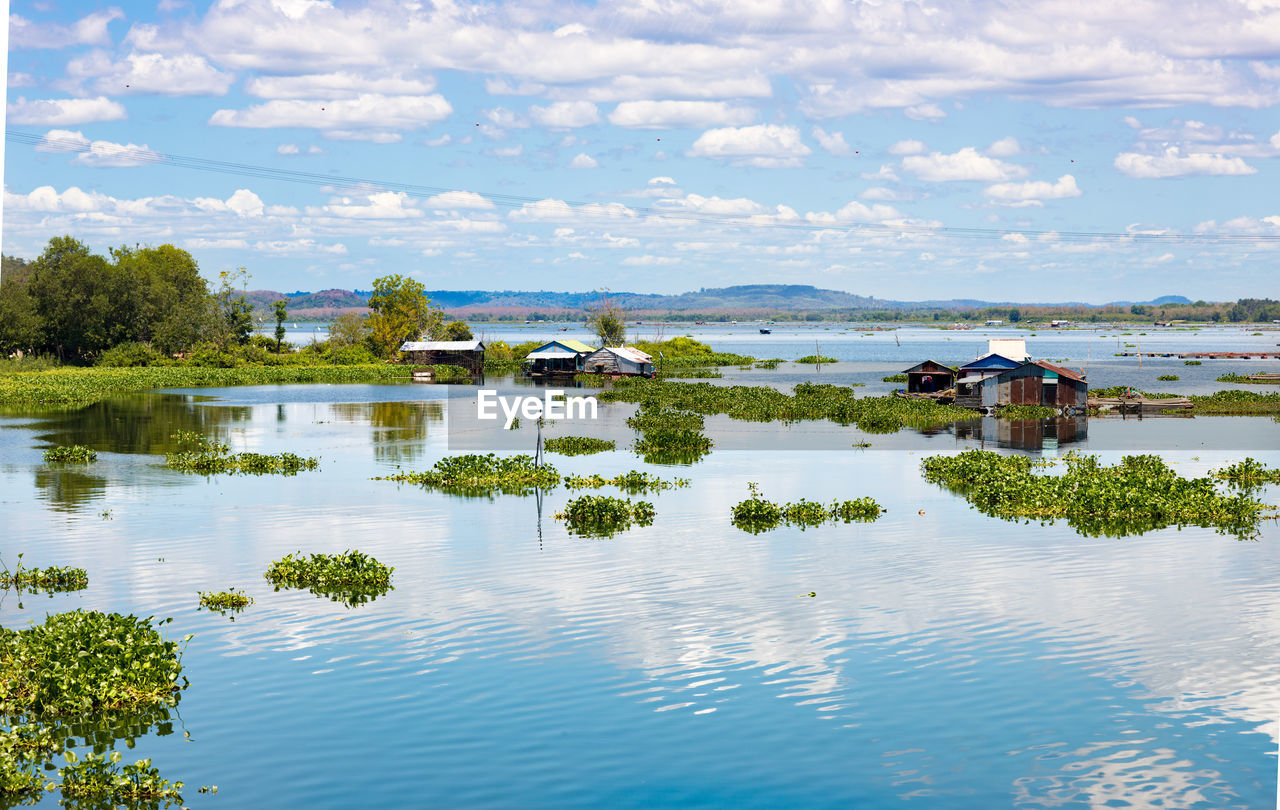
[[1124, 773]]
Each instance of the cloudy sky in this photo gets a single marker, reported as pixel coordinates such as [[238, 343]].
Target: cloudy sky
[[1016, 150]]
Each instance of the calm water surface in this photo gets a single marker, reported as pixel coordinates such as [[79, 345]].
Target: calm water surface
[[947, 660]]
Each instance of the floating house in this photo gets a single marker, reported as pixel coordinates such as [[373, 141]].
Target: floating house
[[622, 360], [468, 354], [559, 357], [974, 373], [1036, 383], [929, 377]]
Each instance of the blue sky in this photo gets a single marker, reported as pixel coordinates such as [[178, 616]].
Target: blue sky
[[1033, 151]]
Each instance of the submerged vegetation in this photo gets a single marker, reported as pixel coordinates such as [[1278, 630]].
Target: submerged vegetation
[[483, 475], [1138, 495], [633, 482], [577, 445], [351, 578], [756, 514], [71, 454], [200, 454], [603, 515]]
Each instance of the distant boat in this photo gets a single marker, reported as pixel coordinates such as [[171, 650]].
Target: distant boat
[[766, 331]]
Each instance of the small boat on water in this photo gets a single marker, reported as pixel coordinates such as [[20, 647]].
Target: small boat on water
[[766, 331]]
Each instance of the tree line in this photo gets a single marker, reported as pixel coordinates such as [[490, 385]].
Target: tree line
[[143, 305]]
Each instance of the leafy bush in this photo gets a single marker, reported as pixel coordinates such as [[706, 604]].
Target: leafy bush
[[131, 354], [813, 359], [71, 454], [483, 475], [604, 516], [894, 378], [577, 445], [1168, 377]]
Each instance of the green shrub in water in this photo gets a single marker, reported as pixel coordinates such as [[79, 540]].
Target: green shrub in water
[[52, 579], [476, 474], [222, 601], [634, 482], [1026, 412], [200, 454], [1248, 473], [756, 514], [577, 445], [1168, 377], [813, 359]]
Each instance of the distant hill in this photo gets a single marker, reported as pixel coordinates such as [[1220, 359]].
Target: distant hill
[[744, 299]]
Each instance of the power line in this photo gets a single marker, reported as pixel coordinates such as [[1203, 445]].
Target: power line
[[595, 210]]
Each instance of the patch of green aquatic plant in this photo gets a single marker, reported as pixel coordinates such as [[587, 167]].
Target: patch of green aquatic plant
[[351, 578], [53, 579], [1248, 473], [604, 515], [653, 417], [1138, 495], [813, 359], [200, 454], [223, 601], [1168, 378], [689, 373], [102, 779], [807, 401], [1025, 412], [1191, 363], [633, 483], [1220, 403], [769, 363], [672, 445], [81, 662], [894, 378], [83, 386], [757, 514], [1244, 378], [686, 352], [483, 475], [71, 454], [577, 445]]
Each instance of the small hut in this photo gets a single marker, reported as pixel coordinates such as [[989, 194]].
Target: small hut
[[1036, 383], [559, 357], [622, 360], [975, 372], [468, 354], [929, 377]]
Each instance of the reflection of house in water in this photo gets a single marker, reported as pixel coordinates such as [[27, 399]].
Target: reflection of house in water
[[1025, 434]]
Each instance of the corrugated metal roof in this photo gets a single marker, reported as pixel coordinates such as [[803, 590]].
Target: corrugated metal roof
[[576, 346], [442, 346], [627, 352], [1062, 372], [551, 352]]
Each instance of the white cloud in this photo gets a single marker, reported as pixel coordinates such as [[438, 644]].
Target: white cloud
[[883, 194], [907, 147], [1172, 163], [503, 118], [966, 164], [884, 174], [569, 30], [833, 142], [583, 161], [370, 135], [245, 203], [650, 261], [1034, 191], [299, 246], [339, 84], [1005, 147], [542, 210], [369, 110], [507, 151], [287, 149], [61, 112], [679, 114], [565, 114], [46, 199], [764, 145], [459, 199], [201, 243], [90, 30], [924, 112], [379, 205], [184, 74], [96, 153]]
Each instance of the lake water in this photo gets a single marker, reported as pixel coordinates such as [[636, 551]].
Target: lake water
[[947, 659]]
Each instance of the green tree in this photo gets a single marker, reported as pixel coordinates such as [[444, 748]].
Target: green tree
[[75, 294], [235, 313], [401, 312], [1015, 315], [281, 308], [19, 324], [348, 329], [609, 323], [167, 303], [456, 330]]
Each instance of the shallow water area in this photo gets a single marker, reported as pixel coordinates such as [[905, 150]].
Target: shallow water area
[[946, 658]]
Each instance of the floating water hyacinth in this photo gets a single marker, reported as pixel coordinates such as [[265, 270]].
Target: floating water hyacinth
[[72, 454], [1138, 495], [200, 454], [351, 578], [231, 600], [633, 482], [577, 445], [604, 516], [476, 474], [756, 514]]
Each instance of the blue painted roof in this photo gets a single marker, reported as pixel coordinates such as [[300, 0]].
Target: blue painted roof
[[991, 361]]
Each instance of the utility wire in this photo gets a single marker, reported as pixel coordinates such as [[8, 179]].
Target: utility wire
[[600, 211]]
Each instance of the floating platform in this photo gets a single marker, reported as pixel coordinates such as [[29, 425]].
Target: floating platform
[[1140, 405]]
